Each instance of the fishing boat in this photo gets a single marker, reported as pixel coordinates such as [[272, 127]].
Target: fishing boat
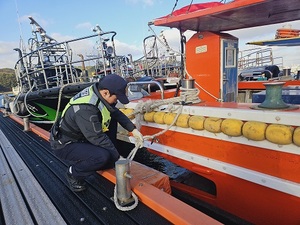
[[244, 156], [257, 65], [50, 74], [159, 63]]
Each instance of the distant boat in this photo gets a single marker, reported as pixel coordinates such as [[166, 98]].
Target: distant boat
[[285, 36], [48, 76], [286, 42], [258, 65]]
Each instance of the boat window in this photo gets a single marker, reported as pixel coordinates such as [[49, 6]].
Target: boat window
[[230, 57]]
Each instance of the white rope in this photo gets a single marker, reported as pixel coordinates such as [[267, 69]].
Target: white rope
[[16, 108], [25, 103], [202, 88], [130, 158], [135, 198], [132, 153], [185, 69], [152, 137], [59, 98], [125, 208], [187, 96], [162, 42]]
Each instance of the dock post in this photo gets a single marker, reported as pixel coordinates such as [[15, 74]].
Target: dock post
[[124, 194], [26, 123]]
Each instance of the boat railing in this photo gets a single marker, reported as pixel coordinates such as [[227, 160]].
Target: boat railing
[[136, 86], [150, 52], [51, 65], [257, 57], [161, 67], [254, 62]]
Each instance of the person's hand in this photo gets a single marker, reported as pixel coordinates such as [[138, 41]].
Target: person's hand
[[139, 139]]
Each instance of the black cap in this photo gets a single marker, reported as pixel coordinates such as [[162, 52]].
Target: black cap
[[116, 85]]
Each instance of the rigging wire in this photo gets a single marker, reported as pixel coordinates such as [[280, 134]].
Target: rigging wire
[[174, 7], [189, 6], [185, 69], [22, 46]]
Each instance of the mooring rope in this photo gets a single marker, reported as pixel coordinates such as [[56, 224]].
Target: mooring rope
[[60, 96], [125, 208], [59, 99], [187, 96], [134, 196], [25, 103]]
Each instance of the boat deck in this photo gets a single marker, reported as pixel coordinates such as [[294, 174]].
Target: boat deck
[[34, 189]]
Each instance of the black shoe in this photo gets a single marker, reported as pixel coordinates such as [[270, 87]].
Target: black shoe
[[75, 184]]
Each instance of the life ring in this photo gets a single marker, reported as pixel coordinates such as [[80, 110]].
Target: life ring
[[287, 33]]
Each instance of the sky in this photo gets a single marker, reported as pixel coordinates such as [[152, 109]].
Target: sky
[[67, 19]]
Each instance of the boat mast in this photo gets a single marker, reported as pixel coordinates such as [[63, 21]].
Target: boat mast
[[22, 45]]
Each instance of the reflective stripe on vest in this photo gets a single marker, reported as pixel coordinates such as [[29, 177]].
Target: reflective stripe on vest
[[87, 96]]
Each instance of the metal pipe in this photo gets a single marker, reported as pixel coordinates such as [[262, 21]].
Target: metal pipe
[[21, 59], [271, 74], [149, 82], [26, 124], [124, 194]]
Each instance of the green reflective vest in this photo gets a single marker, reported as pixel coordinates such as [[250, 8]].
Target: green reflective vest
[[87, 96]]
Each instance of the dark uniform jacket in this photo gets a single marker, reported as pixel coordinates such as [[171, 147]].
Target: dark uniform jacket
[[83, 123]]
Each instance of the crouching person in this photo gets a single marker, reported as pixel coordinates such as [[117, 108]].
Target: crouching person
[[86, 132]]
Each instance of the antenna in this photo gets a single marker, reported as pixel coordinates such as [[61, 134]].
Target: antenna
[[22, 46]]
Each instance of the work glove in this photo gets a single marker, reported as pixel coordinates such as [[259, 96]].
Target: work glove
[[139, 139]]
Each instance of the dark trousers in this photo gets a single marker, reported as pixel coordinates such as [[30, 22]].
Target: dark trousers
[[85, 158]]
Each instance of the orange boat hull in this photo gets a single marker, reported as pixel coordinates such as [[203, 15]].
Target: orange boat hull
[[256, 180], [250, 201]]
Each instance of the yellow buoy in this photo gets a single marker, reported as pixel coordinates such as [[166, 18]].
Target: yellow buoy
[[296, 136], [279, 134], [159, 117], [149, 116], [169, 118], [196, 122], [183, 120], [128, 112], [213, 124], [254, 130], [232, 127]]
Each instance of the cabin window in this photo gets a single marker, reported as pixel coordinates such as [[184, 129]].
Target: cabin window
[[230, 57]]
